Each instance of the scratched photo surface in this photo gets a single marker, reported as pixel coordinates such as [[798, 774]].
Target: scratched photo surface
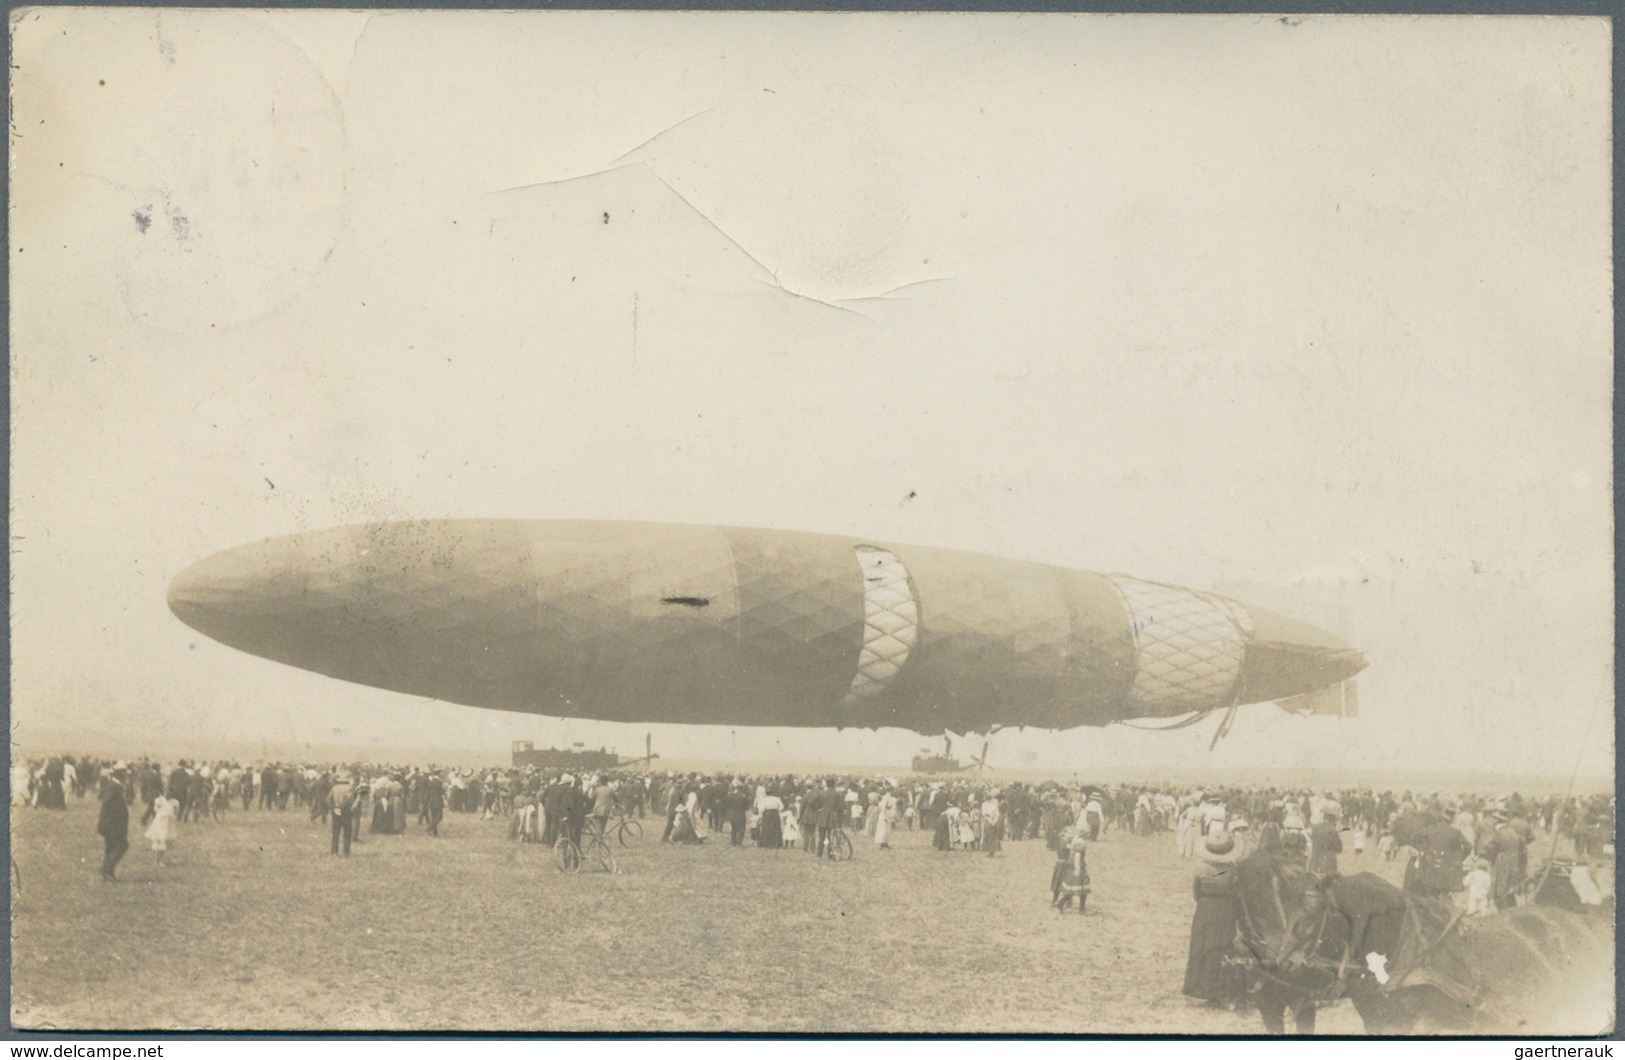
[[1109, 448]]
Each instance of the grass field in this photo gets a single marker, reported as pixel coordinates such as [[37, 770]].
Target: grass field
[[252, 925]]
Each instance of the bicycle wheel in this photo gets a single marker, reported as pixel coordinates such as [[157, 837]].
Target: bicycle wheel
[[630, 832], [601, 853], [840, 847], [567, 855]]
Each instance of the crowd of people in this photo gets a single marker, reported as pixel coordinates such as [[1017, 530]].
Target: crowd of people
[[1479, 853], [1472, 845], [1475, 853]]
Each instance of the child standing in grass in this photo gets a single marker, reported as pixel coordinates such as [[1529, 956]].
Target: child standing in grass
[[162, 829], [1477, 882], [1074, 876], [792, 825]]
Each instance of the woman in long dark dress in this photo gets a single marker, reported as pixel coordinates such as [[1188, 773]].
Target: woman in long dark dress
[[1213, 926], [380, 808], [1213, 935], [1506, 853], [771, 826], [397, 809]]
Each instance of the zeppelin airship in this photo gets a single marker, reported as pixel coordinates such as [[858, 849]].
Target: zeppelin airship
[[646, 622]]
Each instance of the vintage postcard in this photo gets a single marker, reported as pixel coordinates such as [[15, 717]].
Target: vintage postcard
[[806, 523]]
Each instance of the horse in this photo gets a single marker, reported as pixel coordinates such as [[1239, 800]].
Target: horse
[[1414, 965]]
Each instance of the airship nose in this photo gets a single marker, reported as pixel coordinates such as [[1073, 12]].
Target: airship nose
[[419, 607], [1286, 657], [247, 594]]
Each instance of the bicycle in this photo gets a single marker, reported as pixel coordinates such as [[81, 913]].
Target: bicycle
[[839, 845], [570, 855], [625, 829]]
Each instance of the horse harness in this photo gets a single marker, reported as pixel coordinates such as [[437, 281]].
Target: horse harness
[[1312, 956], [1358, 927]]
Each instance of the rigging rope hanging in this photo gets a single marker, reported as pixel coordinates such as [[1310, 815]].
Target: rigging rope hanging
[[1195, 717], [1224, 723], [1182, 723]]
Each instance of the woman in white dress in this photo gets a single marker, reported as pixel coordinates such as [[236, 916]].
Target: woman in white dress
[[952, 815], [969, 822], [792, 826], [161, 831], [888, 809]]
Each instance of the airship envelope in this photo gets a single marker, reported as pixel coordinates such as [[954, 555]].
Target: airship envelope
[[644, 622]]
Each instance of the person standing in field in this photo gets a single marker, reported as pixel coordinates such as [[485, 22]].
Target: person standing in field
[[1187, 831], [113, 826], [827, 810], [1094, 816], [1070, 883], [320, 807], [552, 810], [397, 807], [342, 803], [970, 822], [1478, 883], [807, 819], [1505, 850], [603, 804], [771, 832], [1324, 845], [268, 785], [735, 807], [161, 831], [992, 824], [792, 823], [883, 823], [942, 832], [574, 809], [1434, 871], [434, 802]]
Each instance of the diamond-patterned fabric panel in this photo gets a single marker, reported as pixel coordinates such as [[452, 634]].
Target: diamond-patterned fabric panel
[[800, 628], [1188, 647], [891, 623]]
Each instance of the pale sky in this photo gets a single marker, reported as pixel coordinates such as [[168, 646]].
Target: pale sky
[[1319, 309]]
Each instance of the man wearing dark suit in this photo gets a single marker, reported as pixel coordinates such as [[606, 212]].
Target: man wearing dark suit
[[828, 806], [344, 807], [180, 789], [553, 806], [1435, 871], [574, 808], [114, 827], [434, 802], [268, 787], [735, 807], [711, 803]]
